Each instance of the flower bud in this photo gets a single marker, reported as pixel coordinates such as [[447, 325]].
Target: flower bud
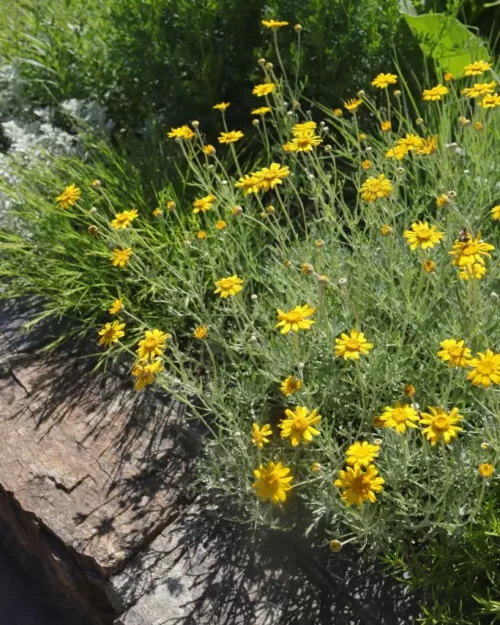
[[307, 269], [419, 121], [269, 65], [270, 210], [297, 28], [319, 243], [236, 210], [342, 281], [397, 93], [93, 230], [261, 61], [195, 123], [335, 545]]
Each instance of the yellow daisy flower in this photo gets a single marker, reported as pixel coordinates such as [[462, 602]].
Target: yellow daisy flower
[[440, 425], [299, 425], [386, 126], [490, 101], [295, 319], [69, 197], [145, 373], [228, 287], [351, 347], [353, 104], [466, 253], [264, 89], [260, 435], [399, 418], [480, 89], [303, 142], [382, 81], [374, 188], [423, 235], [429, 266], [272, 482], [222, 106], [495, 212], [435, 94], [269, 177], [182, 132], [116, 307], [121, 257], [209, 149], [291, 385], [366, 164], [486, 369], [338, 112], [361, 454], [359, 486], [428, 146], [203, 204], [442, 200], [111, 333], [230, 137], [124, 219], [455, 353], [249, 184], [477, 68], [398, 152], [200, 332], [152, 344], [299, 129], [262, 110]]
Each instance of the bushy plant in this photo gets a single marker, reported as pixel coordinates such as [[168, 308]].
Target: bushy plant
[[329, 312]]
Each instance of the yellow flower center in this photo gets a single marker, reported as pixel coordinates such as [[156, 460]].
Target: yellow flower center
[[258, 437], [353, 345], [272, 480], [226, 283], [360, 485], [293, 316], [300, 424], [485, 367], [423, 235], [151, 342], [399, 415], [441, 423]]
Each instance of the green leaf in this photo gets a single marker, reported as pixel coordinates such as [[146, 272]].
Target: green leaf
[[447, 41]]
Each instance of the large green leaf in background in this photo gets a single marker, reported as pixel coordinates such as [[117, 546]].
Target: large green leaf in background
[[447, 41]]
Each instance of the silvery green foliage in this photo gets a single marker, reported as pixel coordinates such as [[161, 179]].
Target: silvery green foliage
[[92, 114], [32, 135]]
